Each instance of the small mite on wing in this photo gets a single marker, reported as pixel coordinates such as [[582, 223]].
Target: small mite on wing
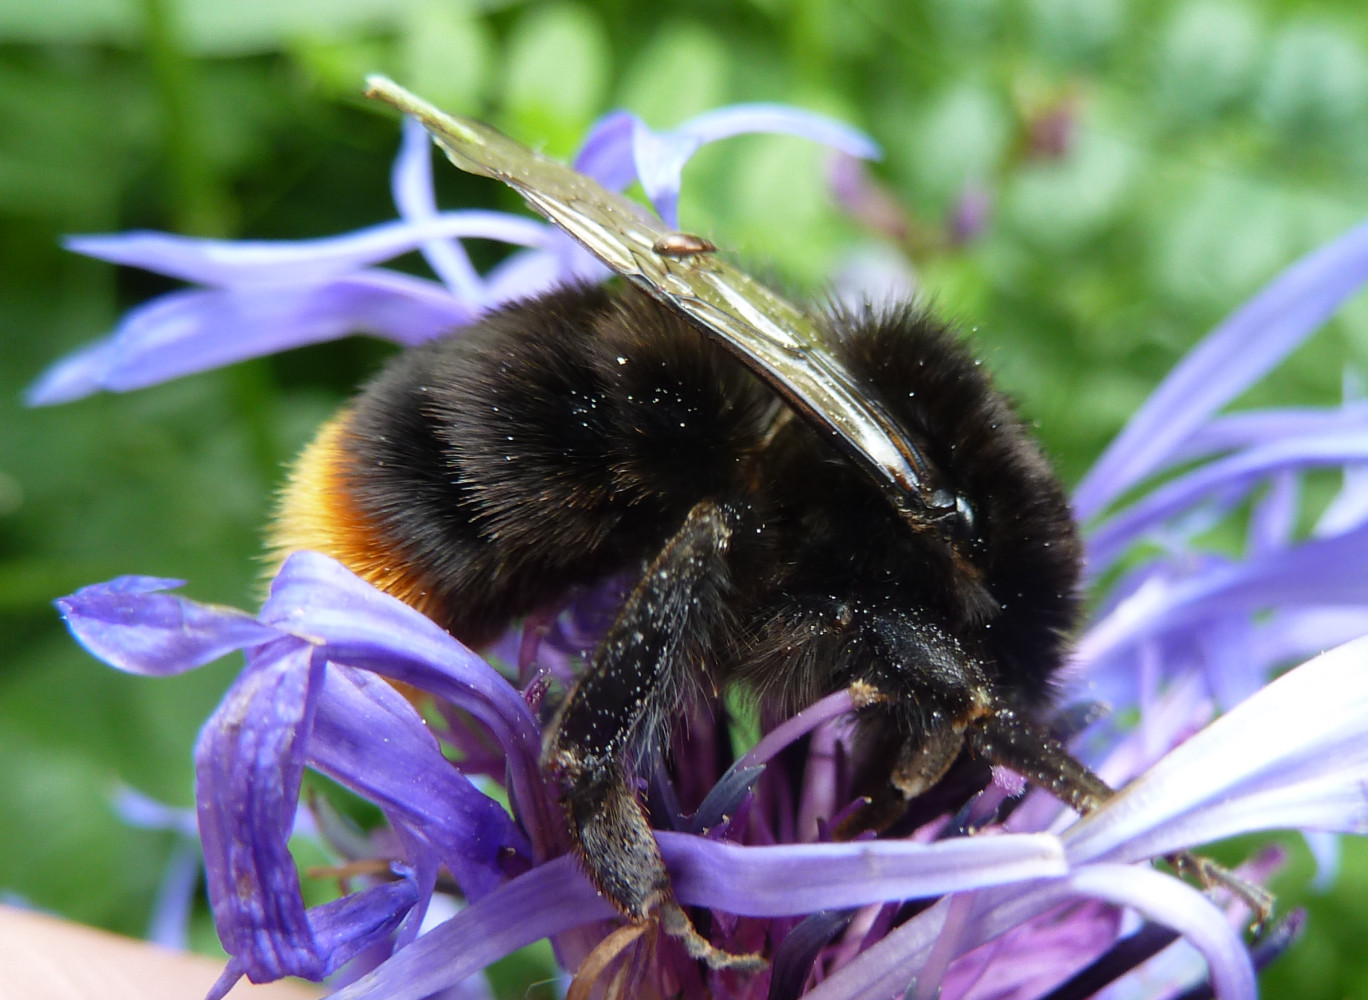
[[683, 245]]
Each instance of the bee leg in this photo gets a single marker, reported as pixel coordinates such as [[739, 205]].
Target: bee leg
[[918, 692], [1210, 875], [917, 767], [1007, 739], [921, 765], [621, 709]]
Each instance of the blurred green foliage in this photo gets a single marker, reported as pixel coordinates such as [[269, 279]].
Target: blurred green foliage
[[1148, 165]]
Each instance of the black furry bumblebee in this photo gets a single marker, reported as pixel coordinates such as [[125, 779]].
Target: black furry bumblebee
[[812, 503]]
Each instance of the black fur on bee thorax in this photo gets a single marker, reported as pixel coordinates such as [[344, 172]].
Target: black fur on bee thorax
[[553, 443]]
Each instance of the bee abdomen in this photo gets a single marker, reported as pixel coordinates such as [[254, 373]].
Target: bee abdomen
[[317, 511], [557, 441]]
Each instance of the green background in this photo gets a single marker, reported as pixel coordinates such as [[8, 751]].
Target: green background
[[1205, 145]]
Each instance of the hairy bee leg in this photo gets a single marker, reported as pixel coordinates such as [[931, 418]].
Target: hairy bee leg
[[623, 704], [922, 765], [915, 682], [1007, 739], [918, 767], [614, 842]]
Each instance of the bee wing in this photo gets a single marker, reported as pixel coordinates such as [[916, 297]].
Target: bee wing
[[774, 338]]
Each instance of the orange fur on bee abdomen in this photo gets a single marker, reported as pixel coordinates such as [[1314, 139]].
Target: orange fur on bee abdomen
[[317, 512]]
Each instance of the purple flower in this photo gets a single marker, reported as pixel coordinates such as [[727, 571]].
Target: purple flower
[[1030, 901]]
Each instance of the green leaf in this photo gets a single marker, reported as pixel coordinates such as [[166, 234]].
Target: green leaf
[[1207, 57], [556, 74], [679, 73], [962, 136], [1060, 204], [1315, 83], [446, 54]]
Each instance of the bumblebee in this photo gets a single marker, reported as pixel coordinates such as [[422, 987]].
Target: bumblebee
[[807, 502]]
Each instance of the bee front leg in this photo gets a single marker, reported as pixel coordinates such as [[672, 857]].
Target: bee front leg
[[620, 712], [1007, 739]]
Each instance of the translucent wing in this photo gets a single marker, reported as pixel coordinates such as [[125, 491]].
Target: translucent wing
[[770, 335]]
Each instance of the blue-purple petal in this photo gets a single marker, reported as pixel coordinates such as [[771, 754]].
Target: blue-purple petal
[[1030, 960], [606, 155], [1325, 851], [248, 765], [1165, 900], [201, 329], [622, 148], [1231, 358], [422, 866], [369, 738], [740, 119], [1273, 519], [1291, 756], [1229, 659], [249, 263], [1234, 431], [345, 927], [1291, 635], [820, 712], [724, 798], [548, 900], [887, 967], [228, 978], [1322, 571], [76, 376], [659, 158], [1349, 508], [554, 896], [411, 186], [531, 272], [145, 812], [1233, 476], [314, 595], [169, 925], [800, 947], [797, 879], [131, 624]]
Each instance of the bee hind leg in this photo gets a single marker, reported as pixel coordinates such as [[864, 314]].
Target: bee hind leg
[[623, 861], [620, 712]]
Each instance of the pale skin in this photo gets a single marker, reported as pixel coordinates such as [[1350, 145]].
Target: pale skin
[[46, 958]]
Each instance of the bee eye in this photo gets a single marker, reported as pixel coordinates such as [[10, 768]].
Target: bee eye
[[962, 530], [953, 513], [958, 519]]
